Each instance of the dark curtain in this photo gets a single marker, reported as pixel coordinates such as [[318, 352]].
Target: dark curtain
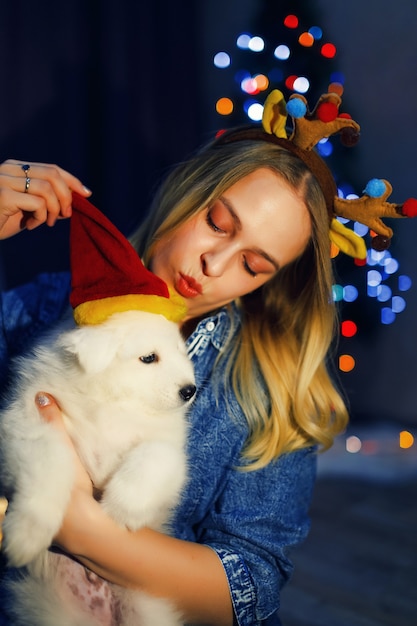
[[107, 90]]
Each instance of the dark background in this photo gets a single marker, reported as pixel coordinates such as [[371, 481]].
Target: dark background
[[118, 92]]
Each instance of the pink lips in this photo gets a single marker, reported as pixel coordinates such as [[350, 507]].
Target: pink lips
[[188, 287]]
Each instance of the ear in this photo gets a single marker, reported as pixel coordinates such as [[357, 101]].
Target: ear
[[94, 347]]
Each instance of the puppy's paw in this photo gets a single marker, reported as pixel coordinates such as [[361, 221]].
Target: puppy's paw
[[26, 536], [146, 485]]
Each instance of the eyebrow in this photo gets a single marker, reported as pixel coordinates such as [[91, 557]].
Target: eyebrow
[[238, 226]]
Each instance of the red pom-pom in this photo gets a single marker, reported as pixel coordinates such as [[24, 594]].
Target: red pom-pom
[[410, 208], [345, 116], [327, 112]]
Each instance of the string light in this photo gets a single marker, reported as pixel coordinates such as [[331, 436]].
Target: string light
[[382, 280]]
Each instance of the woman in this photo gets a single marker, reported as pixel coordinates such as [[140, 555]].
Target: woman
[[241, 231]]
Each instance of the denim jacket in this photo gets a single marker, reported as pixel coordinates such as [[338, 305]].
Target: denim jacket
[[250, 519]]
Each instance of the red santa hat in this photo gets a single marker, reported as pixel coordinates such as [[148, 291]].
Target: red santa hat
[[107, 274]]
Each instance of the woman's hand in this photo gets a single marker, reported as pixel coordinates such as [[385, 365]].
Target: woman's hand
[[82, 492], [50, 412], [32, 194], [83, 489]]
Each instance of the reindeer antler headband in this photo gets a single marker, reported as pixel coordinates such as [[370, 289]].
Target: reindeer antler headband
[[308, 129]]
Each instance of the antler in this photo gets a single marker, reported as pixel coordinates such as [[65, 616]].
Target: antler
[[323, 121], [308, 129], [372, 206]]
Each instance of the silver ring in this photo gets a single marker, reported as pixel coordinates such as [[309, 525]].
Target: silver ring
[[26, 168]]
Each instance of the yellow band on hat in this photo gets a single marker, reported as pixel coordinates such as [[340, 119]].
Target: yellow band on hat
[[97, 311]]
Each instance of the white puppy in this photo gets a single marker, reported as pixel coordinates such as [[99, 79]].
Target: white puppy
[[123, 387]]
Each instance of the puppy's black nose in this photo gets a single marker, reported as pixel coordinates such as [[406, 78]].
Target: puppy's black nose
[[187, 392]]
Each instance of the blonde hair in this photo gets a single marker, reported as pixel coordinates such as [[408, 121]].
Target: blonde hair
[[288, 324]]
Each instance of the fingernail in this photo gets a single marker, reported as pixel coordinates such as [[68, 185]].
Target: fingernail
[[87, 190], [42, 399]]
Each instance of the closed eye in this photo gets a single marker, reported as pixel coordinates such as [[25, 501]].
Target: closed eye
[[149, 358], [211, 223], [248, 269]]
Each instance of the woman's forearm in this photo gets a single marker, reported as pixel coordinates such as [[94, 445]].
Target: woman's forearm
[[189, 574]]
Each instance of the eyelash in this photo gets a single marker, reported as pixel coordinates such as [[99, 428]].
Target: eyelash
[[248, 269], [212, 224], [216, 229]]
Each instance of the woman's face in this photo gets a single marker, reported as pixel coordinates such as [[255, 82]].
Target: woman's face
[[236, 244]]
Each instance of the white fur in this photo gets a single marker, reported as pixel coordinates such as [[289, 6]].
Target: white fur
[[127, 421]]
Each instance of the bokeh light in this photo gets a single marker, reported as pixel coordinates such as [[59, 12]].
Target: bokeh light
[[378, 275], [316, 32], [406, 439], [328, 50], [256, 44], [387, 315], [221, 60], [243, 40], [404, 283], [301, 84], [346, 362], [224, 106], [254, 111], [306, 40], [353, 444], [282, 52], [291, 21], [348, 328]]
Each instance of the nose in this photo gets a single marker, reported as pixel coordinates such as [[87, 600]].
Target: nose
[[214, 262], [187, 392]]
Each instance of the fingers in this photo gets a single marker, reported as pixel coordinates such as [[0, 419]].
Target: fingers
[[49, 409], [49, 184]]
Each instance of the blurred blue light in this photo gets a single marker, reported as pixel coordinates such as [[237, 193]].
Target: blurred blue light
[[221, 60], [243, 40], [282, 52], [241, 75], [316, 32], [276, 75], [398, 304], [385, 293], [324, 148], [350, 293], [374, 278], [387, 315], [337, 77], [404, 282], [344, 189], [360, 229], [391, 266]]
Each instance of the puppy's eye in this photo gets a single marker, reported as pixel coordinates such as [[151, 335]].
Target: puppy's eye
[[149, 358]]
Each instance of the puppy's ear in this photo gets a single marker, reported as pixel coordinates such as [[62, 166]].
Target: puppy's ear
[[93, 346]]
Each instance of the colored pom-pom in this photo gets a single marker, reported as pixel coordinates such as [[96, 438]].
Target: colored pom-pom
[[349, 136], [296, 108], [327, 112], [375, 188], [380, 243], [409, 208], [345, 116]]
